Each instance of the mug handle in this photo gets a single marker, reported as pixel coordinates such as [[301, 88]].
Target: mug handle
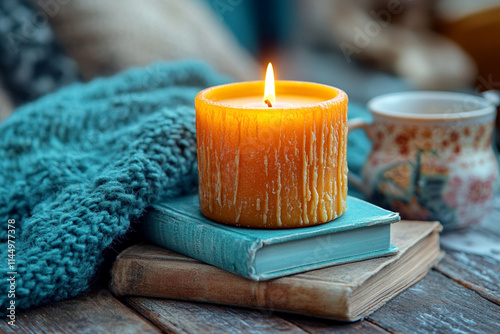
[[493, 96], [353, 124]]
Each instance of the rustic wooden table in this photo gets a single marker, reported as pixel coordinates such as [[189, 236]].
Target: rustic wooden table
[[462, 295]]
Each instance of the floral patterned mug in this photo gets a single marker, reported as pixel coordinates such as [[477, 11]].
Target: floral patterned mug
[[432, 156]]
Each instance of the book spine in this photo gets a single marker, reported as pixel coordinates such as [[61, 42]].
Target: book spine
[[187, 281], [219, 247]]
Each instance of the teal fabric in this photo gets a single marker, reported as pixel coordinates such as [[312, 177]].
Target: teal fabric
[[77, 166], [358, 145], [238, 16], [258, 25]]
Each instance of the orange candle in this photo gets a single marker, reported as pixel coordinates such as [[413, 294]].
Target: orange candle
[[277, 164]]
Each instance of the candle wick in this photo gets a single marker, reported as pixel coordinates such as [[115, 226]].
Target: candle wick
[[266, 101]]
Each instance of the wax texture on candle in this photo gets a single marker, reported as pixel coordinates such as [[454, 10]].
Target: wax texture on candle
[[275, 167]]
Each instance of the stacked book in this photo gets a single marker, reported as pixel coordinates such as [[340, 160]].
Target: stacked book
[[343, 270]]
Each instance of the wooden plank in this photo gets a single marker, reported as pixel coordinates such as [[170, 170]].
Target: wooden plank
[[94, 312], [437, 304], [324, 326], [473, 256], [480, 240], [175, 316], [475, 272]]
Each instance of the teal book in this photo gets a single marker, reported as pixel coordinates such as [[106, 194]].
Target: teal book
[[362, 232]]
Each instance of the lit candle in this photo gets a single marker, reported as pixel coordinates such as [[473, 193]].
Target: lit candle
[[269, 96], [278, 163]]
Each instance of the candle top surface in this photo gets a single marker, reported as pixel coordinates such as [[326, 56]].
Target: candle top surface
[[255, 101], [289, 95]]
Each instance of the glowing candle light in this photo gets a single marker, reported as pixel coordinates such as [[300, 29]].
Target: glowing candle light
[[272, 165], [269, 91]]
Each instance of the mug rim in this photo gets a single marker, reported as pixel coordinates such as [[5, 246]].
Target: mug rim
[[486, 107]]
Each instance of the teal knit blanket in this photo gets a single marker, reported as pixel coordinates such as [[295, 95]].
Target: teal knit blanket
[[77, 166]]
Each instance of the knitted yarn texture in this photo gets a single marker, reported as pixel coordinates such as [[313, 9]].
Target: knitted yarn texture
[[78, 165]]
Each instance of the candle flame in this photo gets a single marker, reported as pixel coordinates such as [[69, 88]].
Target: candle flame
[[269, 93]]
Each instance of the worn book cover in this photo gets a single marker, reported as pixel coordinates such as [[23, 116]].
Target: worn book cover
[[343, 292], [362, 232]]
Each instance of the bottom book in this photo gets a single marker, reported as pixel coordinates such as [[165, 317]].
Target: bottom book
[[345, 292]]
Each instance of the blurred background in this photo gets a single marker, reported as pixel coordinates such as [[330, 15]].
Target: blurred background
[[365, 47]]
